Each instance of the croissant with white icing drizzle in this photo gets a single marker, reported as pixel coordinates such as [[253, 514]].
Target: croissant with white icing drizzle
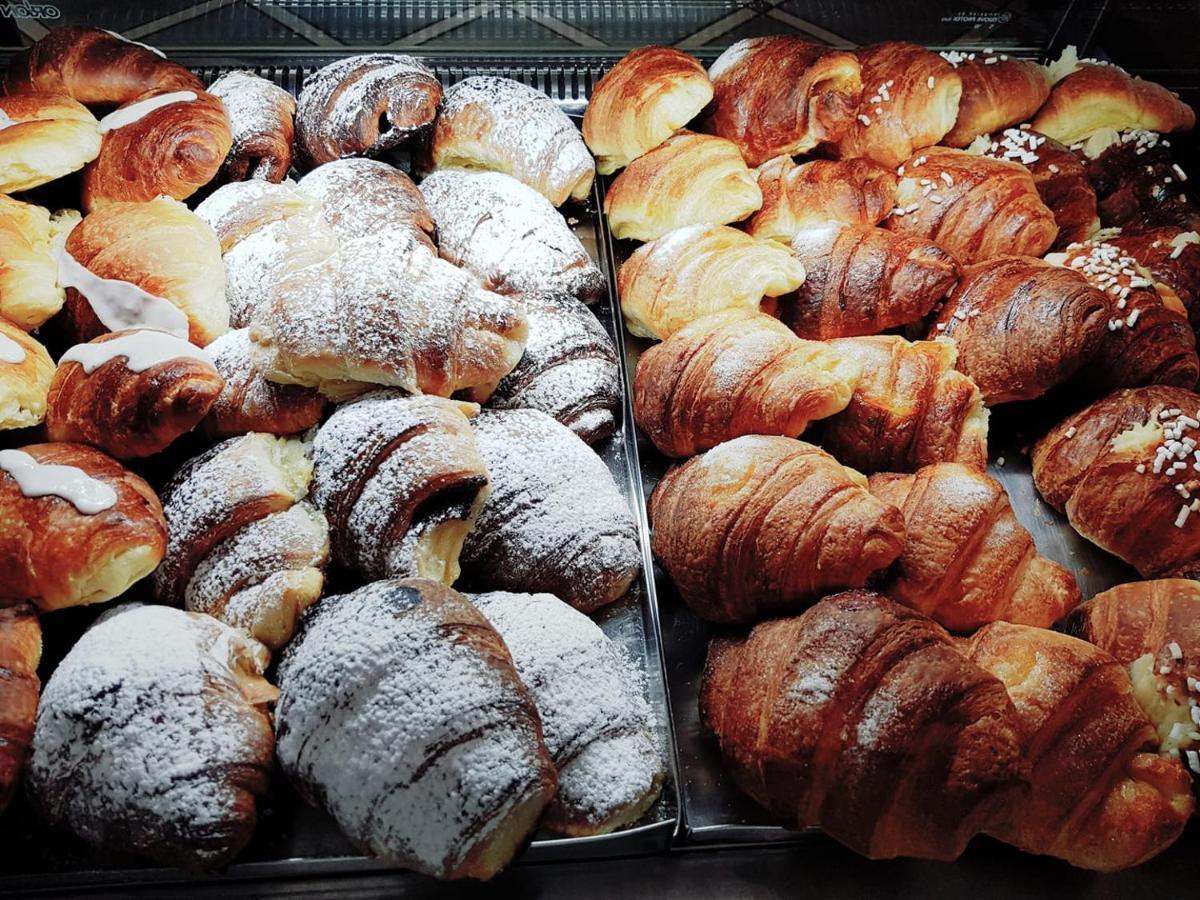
[[261, 117], [154, 265], [25, 372], [153, 737], [131, 393], [76, 527]]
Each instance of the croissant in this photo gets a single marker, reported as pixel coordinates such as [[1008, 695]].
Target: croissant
[[640, 102], [1124, 476], [152, 265], [699, 270], [164, 144], [153, 737], [1022, 326], [910, 409], [508, 235], [1149, 340], [997, 91], [909, 101], [1100, 797], [488, 122], [248, 402], [95, 67], [862, 717], [130, 393], [1173, 259], [401, 482], [1095, 96], [820, 192], [864, 280], [967, 560], [361, 197], [1136, 179], [595, 720], [25, 373], [267, 231], [689, 179], [762, 526], [1153, 629], [569, 371], [735, 373], [30, 241], [382, 768], [45, 136], [555, 521], [261, 120], [76, 527], [975, 207], [385, 311], [20, 653], [363, 106], [780, 96]]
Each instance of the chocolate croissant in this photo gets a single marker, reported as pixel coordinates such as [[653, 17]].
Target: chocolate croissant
[[1173, 260], [910, 408], [1137, 182], [131, 393], [46, 136], [864, 280], [1022, 326], [762, 526], [997, 91], [861, 716], [967, 560], [363, 106], [20, 653], [780, 96], [401, 481], [261, 120], [734, 373], [162, 144], [640, 102]]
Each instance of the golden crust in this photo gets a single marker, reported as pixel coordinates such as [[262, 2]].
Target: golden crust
[[29, 239], [996, 92], [20, 653], [52, 136], [24, 384]]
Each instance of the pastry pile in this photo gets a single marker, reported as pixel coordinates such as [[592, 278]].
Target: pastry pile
[[280, 364], [846, 259]]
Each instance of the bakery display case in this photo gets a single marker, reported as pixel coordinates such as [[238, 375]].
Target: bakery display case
[[521, 422]]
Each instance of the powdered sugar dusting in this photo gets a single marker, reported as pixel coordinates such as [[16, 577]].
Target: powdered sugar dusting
[[260, 118], [360, 197], [248, 401]]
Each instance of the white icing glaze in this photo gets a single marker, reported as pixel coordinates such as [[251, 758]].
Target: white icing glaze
[[120, 305], [72, 484], [141, 349], [132, 112], [11, 351], [121, 37], [5, 120]]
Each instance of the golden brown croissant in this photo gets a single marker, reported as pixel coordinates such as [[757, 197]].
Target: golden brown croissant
[[155, 265], [1022, 326], [363, 106], [699, 270], [30, 240], [261, 120], [967, 560], [1100, 797], [997, 91], [1095, 96], [820, 192], [734, 373], [45, 136], [689, 179], [95, 67], [909, 101], [25, 373], [161, 145], [96, 530], [910, 408], [761, 526], [862, 717], [488, 122], [864, 280], [20, 653], [1149, 339], [1173, 258], [976, 207], [1126, 478], [131, 393], [780, 96], [640, 102]]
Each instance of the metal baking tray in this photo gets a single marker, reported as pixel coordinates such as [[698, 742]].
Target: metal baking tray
[[293, 839]]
